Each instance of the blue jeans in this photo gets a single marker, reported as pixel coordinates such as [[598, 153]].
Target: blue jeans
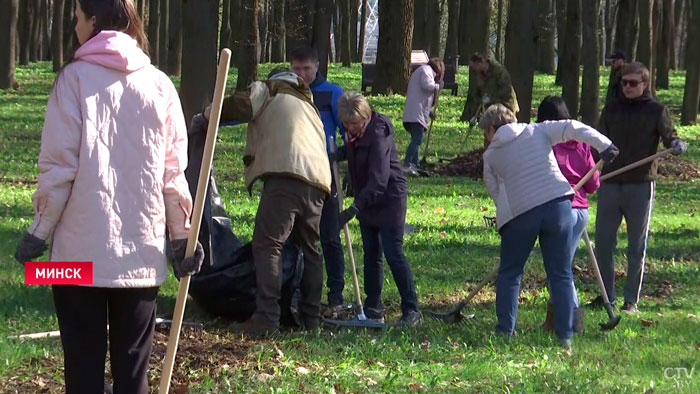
[[390, 240], [552, 223], [413, 149], [580, 216], [329, 229]]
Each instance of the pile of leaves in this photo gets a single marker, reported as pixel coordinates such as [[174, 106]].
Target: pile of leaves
[[675, 167], [470, 165]]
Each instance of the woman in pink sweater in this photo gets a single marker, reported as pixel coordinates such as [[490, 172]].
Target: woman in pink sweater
[[112, 162], [575, 160]]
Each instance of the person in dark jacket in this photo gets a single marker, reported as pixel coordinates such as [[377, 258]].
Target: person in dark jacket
[[617, 62], [380, 202], [304, 63], [635, 124]]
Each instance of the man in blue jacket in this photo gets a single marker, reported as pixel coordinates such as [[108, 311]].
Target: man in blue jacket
[[304, 63]]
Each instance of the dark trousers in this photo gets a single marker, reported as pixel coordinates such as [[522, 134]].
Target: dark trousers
[[332, 249], [413, 150], [552, 223], [389, 239], [634, 202], [83, 314], [288, 208]]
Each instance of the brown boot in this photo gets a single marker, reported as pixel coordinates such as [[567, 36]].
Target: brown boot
[[258, 326], [578, 320], [548, 324]]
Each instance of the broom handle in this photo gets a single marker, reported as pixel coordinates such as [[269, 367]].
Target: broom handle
[[346, 230], [196, 219]]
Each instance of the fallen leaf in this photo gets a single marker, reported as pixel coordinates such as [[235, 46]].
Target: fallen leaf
[[647, 322], [443, 221], [484, 208], [460, 204], [302, 370], [443, 234], [379, 363], [690, 316], [439, 210], [416, 387]]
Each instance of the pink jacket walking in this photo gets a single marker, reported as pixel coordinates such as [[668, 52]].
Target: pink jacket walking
[[112, 161], [575, 160]]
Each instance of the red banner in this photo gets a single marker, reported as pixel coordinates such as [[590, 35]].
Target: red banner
[[58, 273]]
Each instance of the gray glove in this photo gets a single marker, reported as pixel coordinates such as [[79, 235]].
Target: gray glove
[[345, 216], [185, 266], [29, 248], [679, 147], [609, 154]]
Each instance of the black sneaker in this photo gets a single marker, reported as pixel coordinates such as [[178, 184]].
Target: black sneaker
[[410, 319], [376, 314], [598, 303]]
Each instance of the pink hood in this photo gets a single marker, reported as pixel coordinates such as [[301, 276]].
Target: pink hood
[[115, 50]]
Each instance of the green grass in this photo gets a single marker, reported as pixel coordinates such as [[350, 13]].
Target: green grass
[[450, 252]]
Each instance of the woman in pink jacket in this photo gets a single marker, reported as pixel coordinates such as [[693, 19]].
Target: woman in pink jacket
[[575, 160], [112, 161]]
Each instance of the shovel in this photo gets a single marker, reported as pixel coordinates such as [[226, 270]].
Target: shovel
[[613, 320], [361, 319], [472, 124]]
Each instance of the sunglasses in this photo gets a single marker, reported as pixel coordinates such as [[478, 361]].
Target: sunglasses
[[631, 82]]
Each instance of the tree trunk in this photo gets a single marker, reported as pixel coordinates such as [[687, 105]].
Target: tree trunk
[[627, 29], [248, 55], [474, 35], [560, 6], [225, 32], [434, 28], [68, 29], [678, 13], [278, 32], [601, 37], [363, 29], [163, 34], [686, 32], [609, 16], [691, 94], [354, 16], [25, 31], [571, 57], [263, 18], [321, 33], [545, 37], [57, 35], [394, 46], [8, 40], [154, 29], [345, 33], [235, 21], [45, 33], [520, 41], [200, 29], [452, 44], [591, 69], [499, 31], [337, 32], [420, 22], [299, 31], [645, 45], [35, 43], [665, 43], [175, 37]]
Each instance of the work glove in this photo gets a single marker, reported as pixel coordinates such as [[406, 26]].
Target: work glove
[[679, 147], [345, 216], [432, 115], [473, 121], [207, 112], [609, 154], [29, 248], [185, 266], [485, 99]]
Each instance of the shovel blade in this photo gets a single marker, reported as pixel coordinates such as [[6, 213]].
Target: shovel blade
[[610, 324]]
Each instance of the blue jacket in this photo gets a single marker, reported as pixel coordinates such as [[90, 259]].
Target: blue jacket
[[326, 97]]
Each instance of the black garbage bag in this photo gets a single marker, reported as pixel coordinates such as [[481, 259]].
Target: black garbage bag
[[225, 286]]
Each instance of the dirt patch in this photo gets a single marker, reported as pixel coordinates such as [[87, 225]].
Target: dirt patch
[[470, 165], [675, 167]]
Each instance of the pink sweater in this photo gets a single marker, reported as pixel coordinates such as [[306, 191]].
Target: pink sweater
[[575, 160], [112, 162]]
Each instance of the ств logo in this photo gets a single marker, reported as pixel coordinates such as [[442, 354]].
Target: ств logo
[[58, 273]]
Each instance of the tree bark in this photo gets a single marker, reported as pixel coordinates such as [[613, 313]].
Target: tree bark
[[609, 16], [175, 38], [345, 32], [394, 46], [474, 35], [141, 8], [263, 19], [35, 43], [520, 41], [299, 31], [200, 29], [337, 32], [248, 55], [665, 43], [354, 17], [163, 35], [278, 32], [499, 31], [225, 32], [601, 37], [691, 93], [321, 33], [545, 37], [591, 69], [434, 27], [8, 39], [645, 45], [25, 31], [363, 29], [571, 57], [154, 29], [677, 27], [235, 20], [420, 22], [45, 33], [57, 35], [452, 44], [560, 6], [627, 30], [68, 29]]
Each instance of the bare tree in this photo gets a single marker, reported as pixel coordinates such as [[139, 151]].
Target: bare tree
[[545, 36], [691, 94], [452, 43], [154, 29], [590, 95], [278, 32], [57, 35], [248, 54], [521, 40], [394, 46], [677, 29], [321, 33], [499, 30], [200, 30], [8, 38], [571, 57], [263, 23], [627, 30], [665, 43], [175, 38]]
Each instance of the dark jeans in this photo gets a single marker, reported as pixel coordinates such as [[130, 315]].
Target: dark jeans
[[389, 239], [83, 314], [552, 223], [416, 130], [288, 208], [332, 249]]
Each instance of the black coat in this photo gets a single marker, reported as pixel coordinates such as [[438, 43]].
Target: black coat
[[376, 174]]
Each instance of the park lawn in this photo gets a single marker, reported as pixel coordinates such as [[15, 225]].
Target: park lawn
[[449, 253]]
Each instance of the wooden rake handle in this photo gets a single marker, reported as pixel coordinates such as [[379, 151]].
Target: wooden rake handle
[[196, 218]]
